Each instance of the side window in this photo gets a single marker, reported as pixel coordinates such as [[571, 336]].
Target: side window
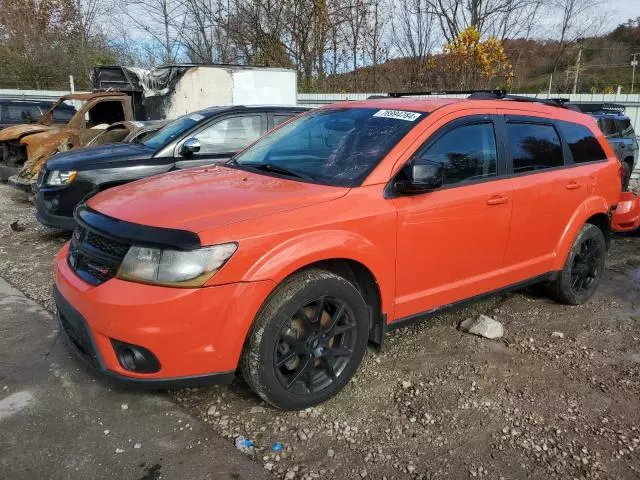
[[105, 113], [624, 127], [583, 145], [608, 126], [22, 113], [278, 119], [466, 153], [230, 135], [534, 147]]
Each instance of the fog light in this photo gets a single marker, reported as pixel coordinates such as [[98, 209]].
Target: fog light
[[135, 358]]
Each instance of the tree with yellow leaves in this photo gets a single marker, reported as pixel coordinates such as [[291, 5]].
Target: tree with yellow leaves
[[472, 63]]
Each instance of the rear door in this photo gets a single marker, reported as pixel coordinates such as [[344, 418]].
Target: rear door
[[222, 138], [548, 190], [276, 118]]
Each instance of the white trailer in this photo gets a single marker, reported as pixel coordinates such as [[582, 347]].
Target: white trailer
[[170, 91]]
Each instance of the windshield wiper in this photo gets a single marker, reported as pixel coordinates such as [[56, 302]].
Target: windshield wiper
[[268, 167]]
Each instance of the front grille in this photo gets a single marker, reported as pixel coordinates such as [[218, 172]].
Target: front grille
[[106, 245], [94, 257], [77, 334]]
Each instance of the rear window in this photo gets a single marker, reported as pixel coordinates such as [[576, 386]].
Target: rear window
[[278, 119], [624, 127], [21, 113], [534, 147], [583, 144], [608, 126]]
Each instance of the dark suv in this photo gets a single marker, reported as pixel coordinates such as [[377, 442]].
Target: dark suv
[[617, 127], [201, 138]]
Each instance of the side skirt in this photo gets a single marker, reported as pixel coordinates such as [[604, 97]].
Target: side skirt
[[418, 317]]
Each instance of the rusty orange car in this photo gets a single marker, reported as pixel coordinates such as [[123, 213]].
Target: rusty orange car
[[339, 225], [24, 149]]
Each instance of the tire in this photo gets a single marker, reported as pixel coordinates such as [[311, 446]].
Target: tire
[[626, 175], [307, 340], [583, 269]]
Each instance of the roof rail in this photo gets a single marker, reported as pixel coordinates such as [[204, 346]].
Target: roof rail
[[495, 92], [599, 107]]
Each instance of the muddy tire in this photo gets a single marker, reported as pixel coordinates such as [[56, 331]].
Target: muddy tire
[[307, 340], [583, 269]]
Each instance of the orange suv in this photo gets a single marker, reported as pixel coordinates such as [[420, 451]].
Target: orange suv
[[339, 225]]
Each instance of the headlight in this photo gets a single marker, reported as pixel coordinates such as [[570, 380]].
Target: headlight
[[174, 267], [58, 178]]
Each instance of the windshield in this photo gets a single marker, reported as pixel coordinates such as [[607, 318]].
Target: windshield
[[332, 146], [172, 130]]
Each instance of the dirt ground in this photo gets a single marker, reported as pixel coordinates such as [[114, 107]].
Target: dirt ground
[[557, 397]]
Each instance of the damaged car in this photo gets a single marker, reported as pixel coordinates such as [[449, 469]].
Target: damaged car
[[25, 148], [131, 131]]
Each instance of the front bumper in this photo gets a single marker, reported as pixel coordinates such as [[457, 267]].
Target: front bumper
[[196, 335], [21, 184], [49, 219], [6, 172]]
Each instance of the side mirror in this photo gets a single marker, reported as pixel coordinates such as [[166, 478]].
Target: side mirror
[[190, 146], [424, 177]]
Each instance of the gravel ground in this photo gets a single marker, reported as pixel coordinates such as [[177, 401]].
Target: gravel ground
[[557, 397]]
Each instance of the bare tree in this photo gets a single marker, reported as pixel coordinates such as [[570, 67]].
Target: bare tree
[[355, 19], [576, 18], [414, 36], [159, 22], [500, 18]]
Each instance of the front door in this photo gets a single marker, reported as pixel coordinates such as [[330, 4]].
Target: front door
[[451, 241], [223, 138]]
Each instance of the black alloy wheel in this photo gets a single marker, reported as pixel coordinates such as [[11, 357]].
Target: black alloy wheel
[[315, 345], [307, 340], [585, 269]]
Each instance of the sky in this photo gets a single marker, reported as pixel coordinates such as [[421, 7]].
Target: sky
[[622, 10]]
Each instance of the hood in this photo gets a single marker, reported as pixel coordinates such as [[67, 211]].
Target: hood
[[101, 156], [208, 198], [17, 131]]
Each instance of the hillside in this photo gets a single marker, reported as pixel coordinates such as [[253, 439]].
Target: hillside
[[605, 64]]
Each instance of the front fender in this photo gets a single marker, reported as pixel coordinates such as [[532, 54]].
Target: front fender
[[312, 247], [590, 207]]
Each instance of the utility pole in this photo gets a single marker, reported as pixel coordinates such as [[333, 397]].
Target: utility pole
[[575, 79], [634, 64], [550, 82]]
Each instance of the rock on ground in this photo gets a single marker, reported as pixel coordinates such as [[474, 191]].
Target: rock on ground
[[483, 326]]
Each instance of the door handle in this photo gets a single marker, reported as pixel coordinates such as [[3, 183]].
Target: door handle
[[498, 199], [573, 185]]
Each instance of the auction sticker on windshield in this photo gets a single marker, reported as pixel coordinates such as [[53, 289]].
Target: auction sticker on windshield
[[397, 114]]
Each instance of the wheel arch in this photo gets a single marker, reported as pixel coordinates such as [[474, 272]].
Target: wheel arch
[[345, 254], [365, 281], [593, 210], [603, 222]]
